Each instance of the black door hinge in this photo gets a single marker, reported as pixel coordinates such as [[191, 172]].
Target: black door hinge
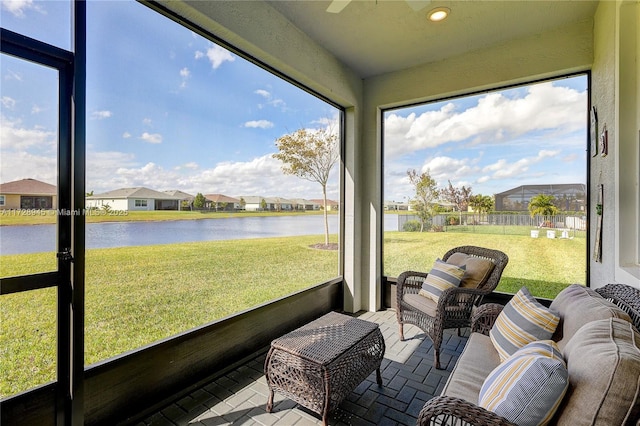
[[65, 255]]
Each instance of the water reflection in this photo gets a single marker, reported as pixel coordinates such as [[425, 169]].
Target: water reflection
[[41, 238]]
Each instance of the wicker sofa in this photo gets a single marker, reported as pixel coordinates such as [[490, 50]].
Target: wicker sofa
[[598, 342]]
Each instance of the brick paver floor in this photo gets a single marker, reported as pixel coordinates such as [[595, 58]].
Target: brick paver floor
[[239, 397]]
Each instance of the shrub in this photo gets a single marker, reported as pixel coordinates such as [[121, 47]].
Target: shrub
[[453, 220], [412, 226]]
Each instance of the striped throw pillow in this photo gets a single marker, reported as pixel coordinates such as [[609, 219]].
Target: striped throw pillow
[[442, 276], [528, 387], [523, 320]]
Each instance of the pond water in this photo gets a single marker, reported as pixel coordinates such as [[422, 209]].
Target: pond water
[[42, 238]]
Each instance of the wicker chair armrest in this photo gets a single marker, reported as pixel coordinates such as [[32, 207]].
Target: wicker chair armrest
[[447, 410], [453, 294], [460, 296], [624, 296], [484, 317], [410, 282]]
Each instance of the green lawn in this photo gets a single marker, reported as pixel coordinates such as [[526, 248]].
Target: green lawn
[[545, 266], [138, 295]]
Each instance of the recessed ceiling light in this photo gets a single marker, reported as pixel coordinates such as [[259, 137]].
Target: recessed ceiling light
[[438, 14]]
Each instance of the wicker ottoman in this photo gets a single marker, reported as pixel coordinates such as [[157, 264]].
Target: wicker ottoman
[[319, 364]]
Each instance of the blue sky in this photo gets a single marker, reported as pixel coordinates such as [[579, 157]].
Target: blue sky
[[167, 109]]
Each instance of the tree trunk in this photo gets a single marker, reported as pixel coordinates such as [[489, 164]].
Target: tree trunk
[[326, 219]]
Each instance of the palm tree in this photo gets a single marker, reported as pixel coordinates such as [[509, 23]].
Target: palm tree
[[542, 205]]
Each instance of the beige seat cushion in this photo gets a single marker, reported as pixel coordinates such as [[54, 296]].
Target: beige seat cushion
[[477, 269], [421, 303], [478, 359], [603, 359], [577, 305]]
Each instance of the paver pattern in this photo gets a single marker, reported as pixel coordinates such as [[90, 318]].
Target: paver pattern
[[239, 396]]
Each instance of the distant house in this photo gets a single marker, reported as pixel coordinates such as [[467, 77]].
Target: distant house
[[135, 199], [185, 199], [28, 194], [305, 205], [568, 197], [258, 203], [219, 202], [396, 205], [331, 205]]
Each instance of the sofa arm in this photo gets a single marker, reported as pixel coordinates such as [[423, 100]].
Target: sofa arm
[[447, 410], [484, 317]]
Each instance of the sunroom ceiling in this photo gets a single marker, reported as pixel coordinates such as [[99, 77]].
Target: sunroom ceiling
[[374, 37]]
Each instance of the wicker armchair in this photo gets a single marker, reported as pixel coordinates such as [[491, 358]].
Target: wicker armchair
[[455, 305]]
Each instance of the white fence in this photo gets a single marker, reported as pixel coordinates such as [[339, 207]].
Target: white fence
[[444, 220]]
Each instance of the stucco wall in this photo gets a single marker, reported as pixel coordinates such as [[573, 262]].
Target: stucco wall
[[11, 201], [618, 171]]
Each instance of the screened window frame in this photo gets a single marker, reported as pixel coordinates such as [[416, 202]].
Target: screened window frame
[[383, 111]]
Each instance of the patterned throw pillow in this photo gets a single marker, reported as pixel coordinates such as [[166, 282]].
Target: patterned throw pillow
[[442, 276], [523, 320], [529, 386]]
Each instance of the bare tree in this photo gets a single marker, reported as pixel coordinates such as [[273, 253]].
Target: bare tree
[[310, 155], [458, 196]]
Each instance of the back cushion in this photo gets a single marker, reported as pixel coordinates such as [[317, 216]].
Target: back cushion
[[577, 305], [603, 359], [477, 269]]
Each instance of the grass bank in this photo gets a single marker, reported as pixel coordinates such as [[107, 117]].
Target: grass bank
[[138, 295], [44, 217], [544, 265]]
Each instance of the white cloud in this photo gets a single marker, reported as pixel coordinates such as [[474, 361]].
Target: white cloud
[[274, 102], [259, 176], [126, 135], [503, 169], [190, 166], [101, 115], [19, 7], [36, 109], [102, 167], [216, 55], [495, 119], [262, 124], [448, 168], [27, 152], [147, 121], [8, 102], [16, 137], [570, 158], [22, 165], [151, 137], [12, 75], [185, 74]]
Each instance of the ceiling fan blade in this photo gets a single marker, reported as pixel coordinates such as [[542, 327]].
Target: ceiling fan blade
[[336, 6], [418, 5]]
